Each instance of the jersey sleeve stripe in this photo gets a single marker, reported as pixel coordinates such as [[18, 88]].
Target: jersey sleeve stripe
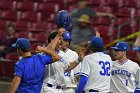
[[77, 74], [84, 74], [137, 88]]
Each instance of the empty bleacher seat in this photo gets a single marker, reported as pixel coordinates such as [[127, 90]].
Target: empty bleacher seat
[[23, 34], [7, 4], [113, 3], [48, 7], [126, 30], [9, 15], [102, 21], [22, 25], [123, 12], [122, 20], [3, 24], [31, 16], [38, 26], [12, 56], [26, 6], [128, 3], [94, 3], [7, 68]]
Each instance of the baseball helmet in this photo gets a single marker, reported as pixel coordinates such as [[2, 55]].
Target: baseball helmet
[[67, 36], [121, 46], [96, 42], [63, 19]]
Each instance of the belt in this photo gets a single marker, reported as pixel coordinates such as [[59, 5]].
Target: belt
[[91, 90], [57, 87]]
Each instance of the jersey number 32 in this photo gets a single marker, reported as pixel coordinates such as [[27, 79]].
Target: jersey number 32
[[105, 68]]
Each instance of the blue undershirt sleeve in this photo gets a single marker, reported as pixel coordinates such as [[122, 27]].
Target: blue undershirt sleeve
[[137, 90], [82, 83]]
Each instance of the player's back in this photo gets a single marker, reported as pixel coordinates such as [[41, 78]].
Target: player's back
[[32, 72], [99, 71]]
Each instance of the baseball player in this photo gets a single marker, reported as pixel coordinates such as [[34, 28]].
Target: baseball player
[[96, 68], [30, 70], [54, 80], [71, 56], [123, 70], [137, 89]]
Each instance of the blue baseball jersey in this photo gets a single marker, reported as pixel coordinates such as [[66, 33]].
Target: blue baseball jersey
[[31, 70]]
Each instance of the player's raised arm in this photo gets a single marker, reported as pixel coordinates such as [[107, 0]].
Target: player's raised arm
[[54, 55], [54, 42], [97, 34], [81, 53]]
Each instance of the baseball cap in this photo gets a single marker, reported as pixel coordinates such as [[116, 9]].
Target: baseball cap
[[96, 42], [121, 46], [137, 49], [67, 36], [22, 43], [84, 18]]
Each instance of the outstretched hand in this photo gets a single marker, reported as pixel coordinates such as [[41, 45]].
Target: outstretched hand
[[81, 51], [97, 34], [61, 31], [39, 49]]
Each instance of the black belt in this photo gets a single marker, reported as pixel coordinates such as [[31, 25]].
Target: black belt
[[91, 90], [57, 87]]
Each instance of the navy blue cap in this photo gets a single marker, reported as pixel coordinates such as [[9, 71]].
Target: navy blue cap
[[67, 36], [122, 46], [22, 43], [96, 42], [137, 49]]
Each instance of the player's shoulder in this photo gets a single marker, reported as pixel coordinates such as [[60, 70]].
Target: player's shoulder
[[20, 62], [61, 53], [71, 52], [101, 54], [132, 62], [138, 70]]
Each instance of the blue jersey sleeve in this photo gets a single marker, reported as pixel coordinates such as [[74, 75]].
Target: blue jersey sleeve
[[47, 59], [18, 69], [137, 91], [82, 84]]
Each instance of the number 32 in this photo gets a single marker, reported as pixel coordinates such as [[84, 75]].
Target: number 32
[[105, 68]]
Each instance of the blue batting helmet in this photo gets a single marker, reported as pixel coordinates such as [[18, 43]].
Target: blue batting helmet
[[96, 42], [67, 36], [63, 19]]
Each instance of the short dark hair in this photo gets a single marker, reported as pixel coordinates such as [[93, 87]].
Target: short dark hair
[[52, 36], [24, 50], [95, 49]]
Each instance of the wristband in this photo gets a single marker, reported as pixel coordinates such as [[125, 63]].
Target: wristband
[[61, 60], [79, 60]]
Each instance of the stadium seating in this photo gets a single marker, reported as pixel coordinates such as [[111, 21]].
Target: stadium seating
[[38, 26], [9, 15], [7, 4], [31, 16], [22, 25], [12, 56], [3, 24]]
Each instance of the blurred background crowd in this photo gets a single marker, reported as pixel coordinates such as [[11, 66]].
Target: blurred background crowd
[[35, 19]]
